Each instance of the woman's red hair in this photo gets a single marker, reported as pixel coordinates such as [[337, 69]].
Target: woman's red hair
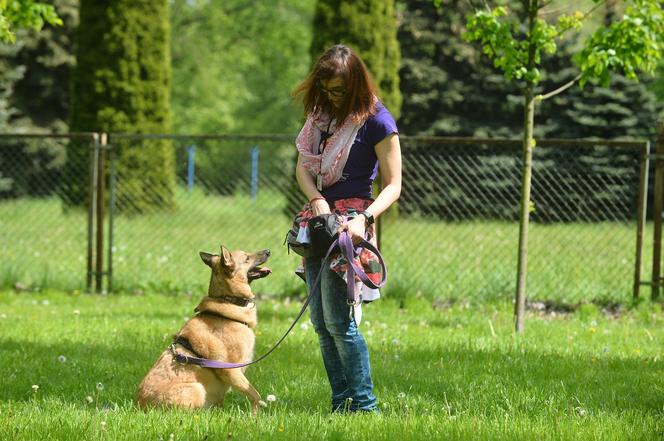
[[359, 101]]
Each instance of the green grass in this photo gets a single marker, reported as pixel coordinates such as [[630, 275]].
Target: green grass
[[43, 247], [455, 372]]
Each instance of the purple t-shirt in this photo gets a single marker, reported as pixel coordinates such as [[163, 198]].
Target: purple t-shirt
[[362, 164]]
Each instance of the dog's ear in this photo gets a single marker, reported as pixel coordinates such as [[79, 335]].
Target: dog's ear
[[209, 259], [226, 258]]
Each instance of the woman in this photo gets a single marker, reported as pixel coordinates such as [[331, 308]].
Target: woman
[[348, 136]]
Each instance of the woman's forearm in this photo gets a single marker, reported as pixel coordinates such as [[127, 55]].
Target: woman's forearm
[[306, 182], [388, 195], [388, 152]]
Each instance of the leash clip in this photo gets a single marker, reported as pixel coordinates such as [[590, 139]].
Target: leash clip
[[179, 358]]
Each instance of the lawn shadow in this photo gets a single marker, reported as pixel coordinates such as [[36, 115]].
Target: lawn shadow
[[71, 371]]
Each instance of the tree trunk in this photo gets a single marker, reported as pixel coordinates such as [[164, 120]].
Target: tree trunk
[[528, 144], [522, 269]]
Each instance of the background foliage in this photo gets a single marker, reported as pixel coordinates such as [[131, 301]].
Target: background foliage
[[233, 67], [234, 64]]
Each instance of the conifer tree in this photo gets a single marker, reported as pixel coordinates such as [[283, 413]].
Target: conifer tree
[[370, 28], [451, 88], [33, 70], [122, 84]]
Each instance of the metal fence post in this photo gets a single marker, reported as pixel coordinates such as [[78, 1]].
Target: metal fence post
[[657, 214], [92, 208], [191, 158], [644, 162], [101, 189], [111, 212], [254, 172]]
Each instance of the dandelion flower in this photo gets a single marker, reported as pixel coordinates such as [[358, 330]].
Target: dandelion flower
[[304, 326], [89, 399], [35, 387], [171, 436], [100, 387], [103, 425], [3, 316], [401, 395], [395, 342], [271, 398], [77, 312], [281, 428], [46, 302], [62, 359]]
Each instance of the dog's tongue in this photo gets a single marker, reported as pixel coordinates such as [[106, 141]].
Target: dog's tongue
[[259, 272]]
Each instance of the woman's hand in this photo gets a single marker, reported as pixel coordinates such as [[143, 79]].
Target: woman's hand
[[319, 206], [356, 228]]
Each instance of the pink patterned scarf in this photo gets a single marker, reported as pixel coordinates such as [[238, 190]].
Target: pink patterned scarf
[[330, 163]]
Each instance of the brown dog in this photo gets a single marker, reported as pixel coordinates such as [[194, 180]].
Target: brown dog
[[222, 329]]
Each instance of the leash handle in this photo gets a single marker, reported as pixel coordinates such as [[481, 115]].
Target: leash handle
[[350, 251]]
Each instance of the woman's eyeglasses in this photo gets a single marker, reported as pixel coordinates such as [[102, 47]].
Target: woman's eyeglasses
[[337, 92]]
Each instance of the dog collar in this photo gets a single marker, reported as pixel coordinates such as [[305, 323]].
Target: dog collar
[[239, 301]]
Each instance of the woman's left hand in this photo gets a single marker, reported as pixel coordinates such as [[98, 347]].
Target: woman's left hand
[[356, 228]]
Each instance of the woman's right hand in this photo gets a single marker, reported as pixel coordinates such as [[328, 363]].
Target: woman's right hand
[[319, 206]]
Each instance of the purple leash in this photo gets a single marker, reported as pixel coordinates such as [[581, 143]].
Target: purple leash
[[345, 243]]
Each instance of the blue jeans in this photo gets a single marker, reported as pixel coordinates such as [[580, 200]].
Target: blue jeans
[[345, 353]]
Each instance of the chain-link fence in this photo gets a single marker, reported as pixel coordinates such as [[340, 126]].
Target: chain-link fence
[[44, 237], [453, 233]]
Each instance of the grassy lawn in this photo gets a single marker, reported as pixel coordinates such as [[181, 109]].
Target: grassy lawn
[[442, 371], [43, 247]]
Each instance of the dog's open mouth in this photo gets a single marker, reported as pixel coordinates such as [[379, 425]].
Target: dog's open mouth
[[258, 272]]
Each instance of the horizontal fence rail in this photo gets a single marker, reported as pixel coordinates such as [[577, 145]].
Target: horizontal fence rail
[[155, 201]]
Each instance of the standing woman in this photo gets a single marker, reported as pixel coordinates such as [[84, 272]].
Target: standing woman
[[347, 138]]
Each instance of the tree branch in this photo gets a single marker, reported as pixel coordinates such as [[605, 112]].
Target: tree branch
[[561, 89], [584, 16], [544, 4]]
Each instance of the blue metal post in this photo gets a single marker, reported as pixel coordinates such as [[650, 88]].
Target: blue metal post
[[254, 172], [191, 156]]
